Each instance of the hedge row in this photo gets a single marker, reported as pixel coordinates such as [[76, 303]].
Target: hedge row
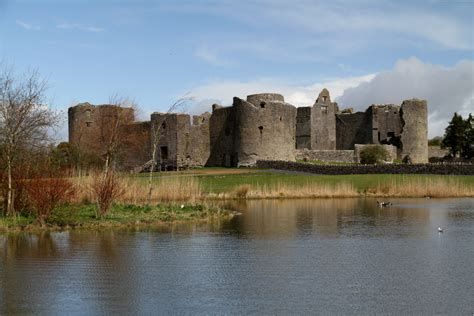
[[444, 169]]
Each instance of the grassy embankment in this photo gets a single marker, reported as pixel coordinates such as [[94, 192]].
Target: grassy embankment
[[121, 215], [194, 187], [217, 183]]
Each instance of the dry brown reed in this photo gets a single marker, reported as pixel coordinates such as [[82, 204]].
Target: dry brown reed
[[136, 190], [428, 187], [189, 189], [283, 190]]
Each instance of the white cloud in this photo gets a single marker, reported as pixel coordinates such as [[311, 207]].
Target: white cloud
[[79, 27], [447, 90], [210, 56], [223, 91], [27, 26]]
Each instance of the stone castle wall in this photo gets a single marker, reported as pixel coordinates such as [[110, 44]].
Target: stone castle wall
[[264, 129], [346, 156], [323, 123], [303, 127], [222, 137], [386, 124], [414, 136], [437, 152], [90, 129], [444, 169], [263, 126], [353, 128], [391, 150]]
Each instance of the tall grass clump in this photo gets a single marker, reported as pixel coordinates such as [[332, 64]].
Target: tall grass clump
[[106, 189], [307, 190], [135, 191], [428, 187]]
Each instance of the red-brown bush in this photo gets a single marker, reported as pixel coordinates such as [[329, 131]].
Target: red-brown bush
[[106, 189], [46, 193], [20, 201]]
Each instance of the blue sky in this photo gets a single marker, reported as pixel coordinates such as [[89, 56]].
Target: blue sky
[[155, 51]]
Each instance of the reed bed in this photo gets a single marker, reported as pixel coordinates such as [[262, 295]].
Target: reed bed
[[190, 189], [284, 190], [184, 189], [428, 187]]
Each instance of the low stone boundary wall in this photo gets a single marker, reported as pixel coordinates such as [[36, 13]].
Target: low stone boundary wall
[[391, 151], [443, 169], [437, 152], [325, 155]]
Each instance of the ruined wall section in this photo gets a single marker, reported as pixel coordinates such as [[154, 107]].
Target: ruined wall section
[[183, 144], [198, 147], [353, 128], [386, 124], [222, 137], [83, 127], [89, 128], [265, 129], [136, 147], [303, 127], [262, 98], [166, 153], [414, 135], [323, 123]]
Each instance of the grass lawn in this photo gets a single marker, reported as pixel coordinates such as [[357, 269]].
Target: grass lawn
[[217, 180], [121, 214]]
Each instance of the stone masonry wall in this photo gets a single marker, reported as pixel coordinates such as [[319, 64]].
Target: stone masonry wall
[[445, 169], [414, 137], [391, 150], [437, 152], [386, 124], [326, 155], [222, 137], [198, 141], [323, 123], [265, 130], [353, 128], [303, 127]]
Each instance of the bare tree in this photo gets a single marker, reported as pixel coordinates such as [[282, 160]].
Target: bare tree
[[113, 128], [157, 132], [25, 120]]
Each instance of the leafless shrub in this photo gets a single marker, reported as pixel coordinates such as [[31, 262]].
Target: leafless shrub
[[44, 194], [106, 188]]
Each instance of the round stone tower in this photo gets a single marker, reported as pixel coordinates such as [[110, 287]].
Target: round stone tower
[[265, 129], [414, 137]]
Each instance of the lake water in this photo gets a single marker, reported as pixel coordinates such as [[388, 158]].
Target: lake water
[[278, 257]]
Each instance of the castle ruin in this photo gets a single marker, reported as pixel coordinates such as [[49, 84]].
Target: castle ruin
[[262, 127]]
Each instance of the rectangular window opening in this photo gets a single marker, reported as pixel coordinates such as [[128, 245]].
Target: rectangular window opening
[[164, 152]]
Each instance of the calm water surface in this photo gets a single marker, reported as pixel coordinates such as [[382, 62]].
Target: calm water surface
[[278, 257]]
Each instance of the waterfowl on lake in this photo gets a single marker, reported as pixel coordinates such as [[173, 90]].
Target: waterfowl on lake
[[384, 204], [440, 230]]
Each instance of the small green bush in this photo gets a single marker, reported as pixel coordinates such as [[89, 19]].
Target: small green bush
[[373, 154]]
